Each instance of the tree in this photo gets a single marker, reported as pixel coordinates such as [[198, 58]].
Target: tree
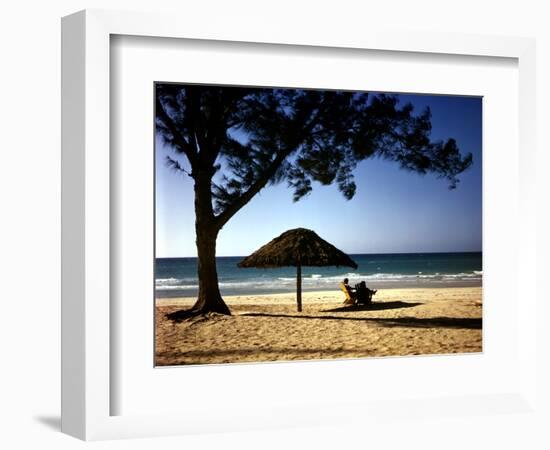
[[293, 135]]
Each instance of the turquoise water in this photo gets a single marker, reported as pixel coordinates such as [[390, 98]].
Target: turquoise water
[[177, 277]]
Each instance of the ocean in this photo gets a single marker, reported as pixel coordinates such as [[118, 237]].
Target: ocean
[[177, 277]]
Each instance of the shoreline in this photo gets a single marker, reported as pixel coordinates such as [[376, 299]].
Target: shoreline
[[320, 296], [174, 294]]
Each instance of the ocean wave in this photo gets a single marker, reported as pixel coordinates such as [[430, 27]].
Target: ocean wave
[[173, 281], [320, 281], [176, 287], [162, 281]]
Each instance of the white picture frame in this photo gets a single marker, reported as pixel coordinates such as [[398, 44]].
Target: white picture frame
[[86, 220]]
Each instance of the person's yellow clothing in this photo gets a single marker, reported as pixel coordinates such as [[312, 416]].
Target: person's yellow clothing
[[347, 292]]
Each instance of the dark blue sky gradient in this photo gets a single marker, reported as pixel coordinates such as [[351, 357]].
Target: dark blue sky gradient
[[393, 210]]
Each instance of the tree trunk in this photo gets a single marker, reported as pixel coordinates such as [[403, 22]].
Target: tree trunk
[[210, 299], [299, 285]]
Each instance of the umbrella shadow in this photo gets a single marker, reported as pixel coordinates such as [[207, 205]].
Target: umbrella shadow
[[376, 306]]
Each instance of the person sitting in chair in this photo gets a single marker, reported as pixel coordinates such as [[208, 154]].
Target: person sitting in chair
[[363, 295], [348, 291]]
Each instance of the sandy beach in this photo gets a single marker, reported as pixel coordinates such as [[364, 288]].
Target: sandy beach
[[268, 328]]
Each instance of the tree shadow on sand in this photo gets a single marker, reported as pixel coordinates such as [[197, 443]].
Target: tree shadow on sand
[[190, 314], [378, 306], [405, 322], [252, 351]]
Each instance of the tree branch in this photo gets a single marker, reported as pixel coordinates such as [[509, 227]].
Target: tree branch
[[178, 138], [258, 185], [222, 218]]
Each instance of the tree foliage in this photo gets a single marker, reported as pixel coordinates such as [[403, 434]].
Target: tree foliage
[[242, 139]]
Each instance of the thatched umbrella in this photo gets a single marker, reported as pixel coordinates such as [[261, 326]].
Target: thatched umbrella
[[298, 247]]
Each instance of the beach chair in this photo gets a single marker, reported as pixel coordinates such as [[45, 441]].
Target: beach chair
[[363, 294], [350, 298]]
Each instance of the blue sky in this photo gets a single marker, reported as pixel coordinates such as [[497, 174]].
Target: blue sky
[[393, 210]]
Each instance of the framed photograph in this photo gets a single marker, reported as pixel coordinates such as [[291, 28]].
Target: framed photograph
[[411, 283], [268, 229]]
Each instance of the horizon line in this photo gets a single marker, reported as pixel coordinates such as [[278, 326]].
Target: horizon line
[[358, 254]]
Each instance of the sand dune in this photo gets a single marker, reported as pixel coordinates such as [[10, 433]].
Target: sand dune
[[268, 328]]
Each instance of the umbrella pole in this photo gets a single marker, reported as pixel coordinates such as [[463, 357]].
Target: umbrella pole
[[299, 285]]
